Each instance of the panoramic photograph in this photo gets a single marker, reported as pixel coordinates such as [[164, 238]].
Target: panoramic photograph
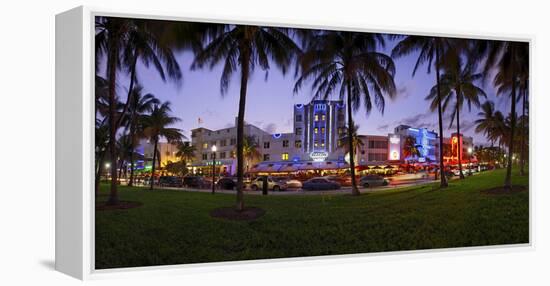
[[223, 142]]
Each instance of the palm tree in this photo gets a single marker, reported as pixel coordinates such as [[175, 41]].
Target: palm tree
[[458, 82], [245, 47], [139, 105], [251, 150], [122, 41], [491, 123], [110, 39], [144, 44], [356, 139], [511, 61], [432, 50], [156, 126], [186, 152], [350, 62]]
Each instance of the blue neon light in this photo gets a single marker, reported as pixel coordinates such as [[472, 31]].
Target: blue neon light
[[277, 135], [299, 106]]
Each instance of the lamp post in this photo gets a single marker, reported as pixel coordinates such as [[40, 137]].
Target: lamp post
[[214, 168], [469, 161]]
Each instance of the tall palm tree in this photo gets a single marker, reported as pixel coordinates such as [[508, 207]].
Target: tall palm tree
[[245, 47], [458, 82], [139, 105], [350, 62], [110, 38], [432, 51], [356, 139], [123, 41], [511, 61], [156, 126]]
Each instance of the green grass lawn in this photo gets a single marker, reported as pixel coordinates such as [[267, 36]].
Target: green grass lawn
[[174, 227]]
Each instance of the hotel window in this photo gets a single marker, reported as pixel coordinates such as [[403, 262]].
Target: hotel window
[[316, 117], [340, 131], [322, 130], [266, 157], [205, 156], [266, 145], [233, 141], [222, 155], [322, 143], [298, 131], [298, 144], [204, 145], [299, 118], [285, 143], [316, 144], [284, 156], [223, 143], [323, 117], [232, 154], [213, 155], [212, 143], [316, 130]]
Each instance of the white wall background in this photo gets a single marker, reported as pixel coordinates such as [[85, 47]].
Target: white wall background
[[27, 128]]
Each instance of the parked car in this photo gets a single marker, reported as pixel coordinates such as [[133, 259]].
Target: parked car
[[320, 183], [373, 181], [170, 181], [196, 182], [410, 176], [227, 183], [272, 184], [290, 183], [342, 180]]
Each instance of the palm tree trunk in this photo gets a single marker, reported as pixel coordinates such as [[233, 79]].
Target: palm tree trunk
[[524, 132], [120, 170], [458, 134], [443, 183], [112, 63], [130, 88], [132, 135], [98, 173], [354, 189], [508, 178], [245, 69], [153, 167]]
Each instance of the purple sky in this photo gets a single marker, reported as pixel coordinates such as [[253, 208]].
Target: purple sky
[[269, 103]]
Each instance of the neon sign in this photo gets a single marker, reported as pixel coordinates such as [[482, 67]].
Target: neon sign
[[318, 156]]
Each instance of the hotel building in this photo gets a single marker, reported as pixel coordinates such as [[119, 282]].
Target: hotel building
[[315, 144]]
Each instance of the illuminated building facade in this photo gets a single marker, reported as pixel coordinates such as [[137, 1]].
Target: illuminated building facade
[[320, 125], [425, 143]]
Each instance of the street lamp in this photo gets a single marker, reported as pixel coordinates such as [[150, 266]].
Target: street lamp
[[214, 168], [469, 161]]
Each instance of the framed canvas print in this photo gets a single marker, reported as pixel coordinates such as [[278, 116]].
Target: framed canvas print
[[190, 142]]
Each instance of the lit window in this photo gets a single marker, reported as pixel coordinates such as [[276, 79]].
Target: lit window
[[322, 143], [323, 117], [316, 144], [316, 130], [284, 156], [298, 144], [205, 145], [316, 117], [323, 130]]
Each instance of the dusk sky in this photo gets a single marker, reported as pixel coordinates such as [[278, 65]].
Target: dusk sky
[[270, 103]]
